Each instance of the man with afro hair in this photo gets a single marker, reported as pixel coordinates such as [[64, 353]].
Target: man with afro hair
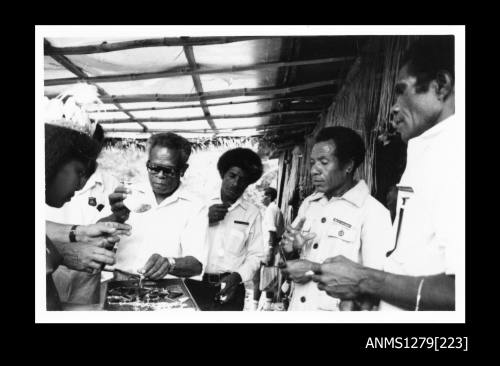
[[234, 241]]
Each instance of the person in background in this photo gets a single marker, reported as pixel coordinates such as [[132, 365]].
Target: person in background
[[234, 241], [419, 273], [87, 206], [273, 227], [69, 157], [171, 223], [339, 218]]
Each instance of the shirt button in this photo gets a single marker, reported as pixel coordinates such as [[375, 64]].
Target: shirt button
[[341, 233], [315, 246], [323, 220], [303, 299]]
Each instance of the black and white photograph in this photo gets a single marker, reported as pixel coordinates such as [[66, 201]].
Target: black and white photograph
[[250, 174]]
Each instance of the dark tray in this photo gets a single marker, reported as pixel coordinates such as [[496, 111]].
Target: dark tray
[[165, 294]]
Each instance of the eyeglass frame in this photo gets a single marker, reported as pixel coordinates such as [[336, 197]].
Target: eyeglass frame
[[177, 171]]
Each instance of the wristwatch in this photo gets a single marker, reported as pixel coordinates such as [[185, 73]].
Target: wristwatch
[[171, 262], [72, 234]]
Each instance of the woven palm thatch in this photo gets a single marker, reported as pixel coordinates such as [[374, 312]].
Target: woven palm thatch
[[363, 104], [365, 99]]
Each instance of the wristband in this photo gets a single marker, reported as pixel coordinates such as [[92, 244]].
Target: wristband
[[417, 303], [72, 234]]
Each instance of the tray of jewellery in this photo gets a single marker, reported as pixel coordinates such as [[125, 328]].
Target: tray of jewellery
[[146, 295]]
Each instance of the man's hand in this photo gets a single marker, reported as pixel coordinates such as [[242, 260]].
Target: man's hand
[[294, 238], [340, 277], [87, 257], [156, 267], [228, 285], [300, 270], [217, 212], [109, 231], [120, 211]]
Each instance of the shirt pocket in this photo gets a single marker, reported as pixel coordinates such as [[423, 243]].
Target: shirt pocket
[[342, 233], [343, 241], [235, 240]]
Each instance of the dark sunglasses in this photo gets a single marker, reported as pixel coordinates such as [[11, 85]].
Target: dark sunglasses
[[167, 170]]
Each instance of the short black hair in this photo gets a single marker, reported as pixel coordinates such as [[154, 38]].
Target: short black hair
[[243, 158], [349, 144], [271, 192], [172, 141], [428, 56], [63, 145]]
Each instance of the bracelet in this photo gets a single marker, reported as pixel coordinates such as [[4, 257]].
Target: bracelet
[[417, 305], [72, 234]]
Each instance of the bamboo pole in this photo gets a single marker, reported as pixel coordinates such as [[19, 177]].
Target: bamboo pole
[[66, 63], [190, 71], [200, 118], [154, 42], [188, 51], [221, 130], [213, 95], [298, 98]]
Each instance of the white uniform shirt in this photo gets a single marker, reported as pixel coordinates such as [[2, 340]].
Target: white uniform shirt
[[235, 244], [83, 208], [174, 228], [432, 232], [355, 225], [272, 221]]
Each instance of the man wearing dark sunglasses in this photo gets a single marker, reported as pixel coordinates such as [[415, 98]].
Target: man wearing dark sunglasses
[[169, 237]]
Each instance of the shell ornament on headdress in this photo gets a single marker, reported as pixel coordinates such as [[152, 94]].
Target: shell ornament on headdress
[[70, 108]]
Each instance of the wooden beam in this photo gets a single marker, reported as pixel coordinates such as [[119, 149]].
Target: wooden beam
[[78, 71], [261, 127], [188, 51], [154, 42], [193, 71], [298, 99], [222, 116], [146, 135], [214, 94]]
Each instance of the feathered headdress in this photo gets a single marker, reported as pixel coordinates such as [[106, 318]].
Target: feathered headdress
[[70, 108]]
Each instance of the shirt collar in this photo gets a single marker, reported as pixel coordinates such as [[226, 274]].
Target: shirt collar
[[240, 201], [356, 195], [95, 179], [434, 131], [180, 193]]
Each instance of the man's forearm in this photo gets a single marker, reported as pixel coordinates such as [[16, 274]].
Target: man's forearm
[[58, 233], [187, 267], [437, 291]]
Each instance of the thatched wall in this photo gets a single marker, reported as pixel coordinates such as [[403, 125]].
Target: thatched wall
[[363, 104]]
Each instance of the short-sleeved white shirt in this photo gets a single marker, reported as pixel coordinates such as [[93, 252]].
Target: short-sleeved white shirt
[[354, 225], [235, 244], [432, 232], [174, 228]]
